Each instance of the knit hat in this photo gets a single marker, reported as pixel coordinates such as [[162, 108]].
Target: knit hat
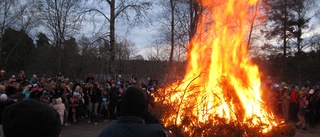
[[133, 103], [75, 94], [30, 118], [3, 97], [77, 89], [311, 91]]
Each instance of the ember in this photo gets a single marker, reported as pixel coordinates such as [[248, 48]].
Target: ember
[[221, 85]]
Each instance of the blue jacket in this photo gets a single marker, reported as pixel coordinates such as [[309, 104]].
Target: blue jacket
[[133, 126]]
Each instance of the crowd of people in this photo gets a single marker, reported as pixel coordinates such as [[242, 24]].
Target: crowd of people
[[295, 104], [72, 99]]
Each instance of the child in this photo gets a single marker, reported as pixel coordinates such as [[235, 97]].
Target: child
[[26, 92], [53, 102], [80, 109], [74, 105], [59, 106], [104, 105]]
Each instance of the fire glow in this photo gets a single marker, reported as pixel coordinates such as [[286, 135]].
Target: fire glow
[[220, 80]]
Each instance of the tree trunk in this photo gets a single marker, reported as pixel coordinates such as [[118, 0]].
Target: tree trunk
[[112, 38], [285, 41], [170, 63], [252, 25]]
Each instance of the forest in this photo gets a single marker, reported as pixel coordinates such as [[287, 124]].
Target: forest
[[83, 36]]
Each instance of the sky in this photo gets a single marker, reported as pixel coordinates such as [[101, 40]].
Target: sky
[[142, 36]]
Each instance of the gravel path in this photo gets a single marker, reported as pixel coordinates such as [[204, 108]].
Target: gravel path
[[83, 129], [311, 132]]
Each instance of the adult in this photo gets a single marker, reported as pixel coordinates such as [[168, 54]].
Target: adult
[[95, 98], [312, 107], [2, 89], [12, 89], [131, 122], [21, 76], [285, 105], [113, 94], [294, 104], [2, 75], [30, 118], [4, 102], [89, 78], [34, 79], [303, 104]]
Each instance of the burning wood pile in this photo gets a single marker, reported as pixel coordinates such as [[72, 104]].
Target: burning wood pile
[[220, 94]]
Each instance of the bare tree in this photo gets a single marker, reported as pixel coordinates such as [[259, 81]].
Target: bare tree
[[158, 52], [61, 19], [177, 21], [18, 15], [132, 10]]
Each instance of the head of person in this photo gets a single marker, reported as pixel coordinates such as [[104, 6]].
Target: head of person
[[34, 76], [14, 84], [30, 118], [134, 103], [63, 84], [3, 97], [92, 84], [89, 75], [2, 72], [2, 89]]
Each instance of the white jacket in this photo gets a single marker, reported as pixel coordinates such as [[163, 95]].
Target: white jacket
[[59, 106]]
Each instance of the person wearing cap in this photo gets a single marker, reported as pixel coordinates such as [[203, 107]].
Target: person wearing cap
[[80, 105], [89, 78], [312, 107], [12, 78], [30, 118], [132, 118], [60, 108], [275, 99]]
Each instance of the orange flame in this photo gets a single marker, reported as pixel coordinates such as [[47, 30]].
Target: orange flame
[[220, 80]]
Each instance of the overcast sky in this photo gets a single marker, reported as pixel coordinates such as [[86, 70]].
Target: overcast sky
[[141, 36]]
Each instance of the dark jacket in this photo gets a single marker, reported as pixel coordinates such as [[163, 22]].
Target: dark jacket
[[95, 95], [134, 126], [3, 105]]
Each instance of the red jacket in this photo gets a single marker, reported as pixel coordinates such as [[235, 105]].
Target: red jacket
[[294, 97]]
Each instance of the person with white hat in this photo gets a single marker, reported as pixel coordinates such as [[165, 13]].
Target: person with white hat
[[313, 107], [4, 102]]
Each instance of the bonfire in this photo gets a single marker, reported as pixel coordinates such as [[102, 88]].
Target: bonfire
[[220, 94]]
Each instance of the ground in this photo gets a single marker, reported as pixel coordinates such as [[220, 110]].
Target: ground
[[83, 129], [311, 132]]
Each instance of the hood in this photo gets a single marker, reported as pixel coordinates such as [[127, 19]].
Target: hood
[[59, 100]]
